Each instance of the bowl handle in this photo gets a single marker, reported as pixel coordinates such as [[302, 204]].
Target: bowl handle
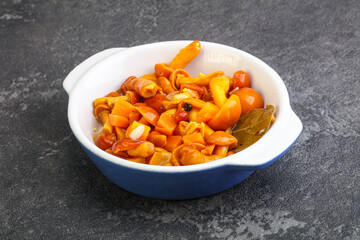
[[73, 77], [289, 134]]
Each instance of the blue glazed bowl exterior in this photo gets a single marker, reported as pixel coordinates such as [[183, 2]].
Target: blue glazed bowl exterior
[[171, 186], [174, 186]]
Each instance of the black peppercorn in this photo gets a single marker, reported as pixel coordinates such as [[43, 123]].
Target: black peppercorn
[[187, 107]]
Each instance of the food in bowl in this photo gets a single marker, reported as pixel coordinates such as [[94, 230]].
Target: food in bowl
[[113, 66], [170, 118]]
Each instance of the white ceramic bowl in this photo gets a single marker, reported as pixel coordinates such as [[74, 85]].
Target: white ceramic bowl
[[106, 71]]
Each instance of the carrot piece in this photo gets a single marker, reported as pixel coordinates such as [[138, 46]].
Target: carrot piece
[[160, 158], [151, 135], [122, 108], [118, 121], [186, 55], [172, 143], [166, 123], [159, 140], [164, 130], [193, 138], [208, 150], [150, 114]]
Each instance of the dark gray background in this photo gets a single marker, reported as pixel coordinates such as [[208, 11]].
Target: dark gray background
[[49, 189]]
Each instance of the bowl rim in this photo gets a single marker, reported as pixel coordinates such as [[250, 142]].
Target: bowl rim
[[80, 73]]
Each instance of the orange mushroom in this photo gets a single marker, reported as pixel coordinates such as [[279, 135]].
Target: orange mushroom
[[144, 87], [200, 81], [191, 156], [228, 115], [222, 138], [163, 70], [176, 75], [125, 144], [144, 150], [133, 97], [165, 85], [186, 55]]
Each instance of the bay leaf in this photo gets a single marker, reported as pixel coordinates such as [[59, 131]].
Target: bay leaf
[[252, 126]]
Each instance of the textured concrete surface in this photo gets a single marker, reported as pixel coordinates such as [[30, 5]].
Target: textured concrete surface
[[49, 189]]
